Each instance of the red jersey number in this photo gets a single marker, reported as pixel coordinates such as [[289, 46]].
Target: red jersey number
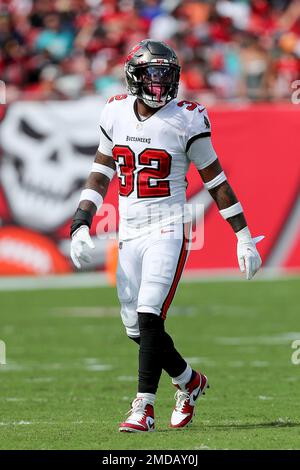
[[159, 162], [190, 105], [125, 158], [157, 167], [117, 98]]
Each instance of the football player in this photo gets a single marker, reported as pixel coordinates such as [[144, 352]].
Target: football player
[[150, 138]]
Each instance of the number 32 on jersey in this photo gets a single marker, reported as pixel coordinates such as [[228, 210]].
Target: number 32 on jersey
[[157, 166]]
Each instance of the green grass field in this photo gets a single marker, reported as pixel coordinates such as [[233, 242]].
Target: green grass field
[[71, 371]]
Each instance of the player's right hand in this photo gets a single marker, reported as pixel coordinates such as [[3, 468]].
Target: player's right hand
[[81, 246], [248, 257]]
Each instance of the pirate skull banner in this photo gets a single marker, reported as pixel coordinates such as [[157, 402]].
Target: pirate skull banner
[[47, 149]]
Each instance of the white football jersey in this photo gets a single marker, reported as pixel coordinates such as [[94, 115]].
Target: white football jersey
[[152, 158]]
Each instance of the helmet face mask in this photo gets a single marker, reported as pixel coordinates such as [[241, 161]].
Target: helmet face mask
[[152, 73]]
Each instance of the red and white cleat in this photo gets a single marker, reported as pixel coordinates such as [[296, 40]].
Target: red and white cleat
[[186, 399], [141, 418]]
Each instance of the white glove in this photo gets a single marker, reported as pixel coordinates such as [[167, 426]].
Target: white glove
[[81, 245], [248, 256]]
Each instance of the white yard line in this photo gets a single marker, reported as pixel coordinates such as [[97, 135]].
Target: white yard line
[[12, 399], [236, 364], [86, 280], [278, 339], [233, 274], [15, 423], [99, 367], [126, 378], [200, 360], [53, 282], [45, 423], [87, 311], [40, 379], [85, 364]]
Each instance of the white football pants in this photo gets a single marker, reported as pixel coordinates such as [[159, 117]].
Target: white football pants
[[149, 269]]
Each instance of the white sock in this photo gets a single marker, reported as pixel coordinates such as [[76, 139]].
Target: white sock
[[183, 378], [150, 397]]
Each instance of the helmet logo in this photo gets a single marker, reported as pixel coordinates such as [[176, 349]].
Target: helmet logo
[[132, 52]]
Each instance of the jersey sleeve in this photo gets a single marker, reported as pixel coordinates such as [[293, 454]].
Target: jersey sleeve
[[106, 131], [199, 148]]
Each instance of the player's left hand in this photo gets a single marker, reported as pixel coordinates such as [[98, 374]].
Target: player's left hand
[[248, 256]]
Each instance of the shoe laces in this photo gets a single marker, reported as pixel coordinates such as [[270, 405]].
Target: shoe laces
[[181, 397], [138, 409]]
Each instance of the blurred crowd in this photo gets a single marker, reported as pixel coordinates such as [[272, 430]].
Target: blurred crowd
[[229, 49]]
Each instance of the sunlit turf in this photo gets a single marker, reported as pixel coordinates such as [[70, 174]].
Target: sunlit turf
[[71, 371]]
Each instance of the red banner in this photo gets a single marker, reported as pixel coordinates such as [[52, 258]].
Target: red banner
[[259, 148]]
